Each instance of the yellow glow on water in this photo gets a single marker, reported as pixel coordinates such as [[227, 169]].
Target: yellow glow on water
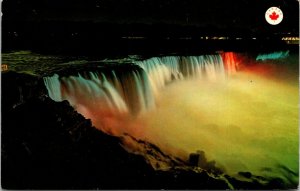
[[241, 113], [245, 123]]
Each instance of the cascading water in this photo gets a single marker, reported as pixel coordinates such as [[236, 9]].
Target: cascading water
[[134, 92], [113, 94], [129, 92], [110, 98], [162, 71], [186, 103], [53, 86]]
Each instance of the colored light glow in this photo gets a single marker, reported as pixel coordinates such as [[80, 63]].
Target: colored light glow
[[273, 56], [230, 62], [247, 122]]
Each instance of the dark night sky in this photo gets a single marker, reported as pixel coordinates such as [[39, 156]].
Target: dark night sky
[[222, 17], [65, 24], [249, 13]]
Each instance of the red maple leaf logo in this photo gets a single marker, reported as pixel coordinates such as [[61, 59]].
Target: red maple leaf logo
[[274, 16]]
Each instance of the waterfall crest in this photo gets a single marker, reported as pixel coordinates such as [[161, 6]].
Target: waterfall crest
[[134, 90]]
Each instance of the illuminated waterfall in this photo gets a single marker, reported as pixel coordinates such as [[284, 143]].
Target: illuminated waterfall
[[163, 70], [53, 86], [134, 91], [230, 62], [182, 104], [273, 56], [125, 93]]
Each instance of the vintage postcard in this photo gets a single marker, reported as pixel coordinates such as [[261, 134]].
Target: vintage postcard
[[150, 94]]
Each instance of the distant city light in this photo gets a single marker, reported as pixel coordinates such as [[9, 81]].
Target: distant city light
[[290, 38], [133, 37]]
